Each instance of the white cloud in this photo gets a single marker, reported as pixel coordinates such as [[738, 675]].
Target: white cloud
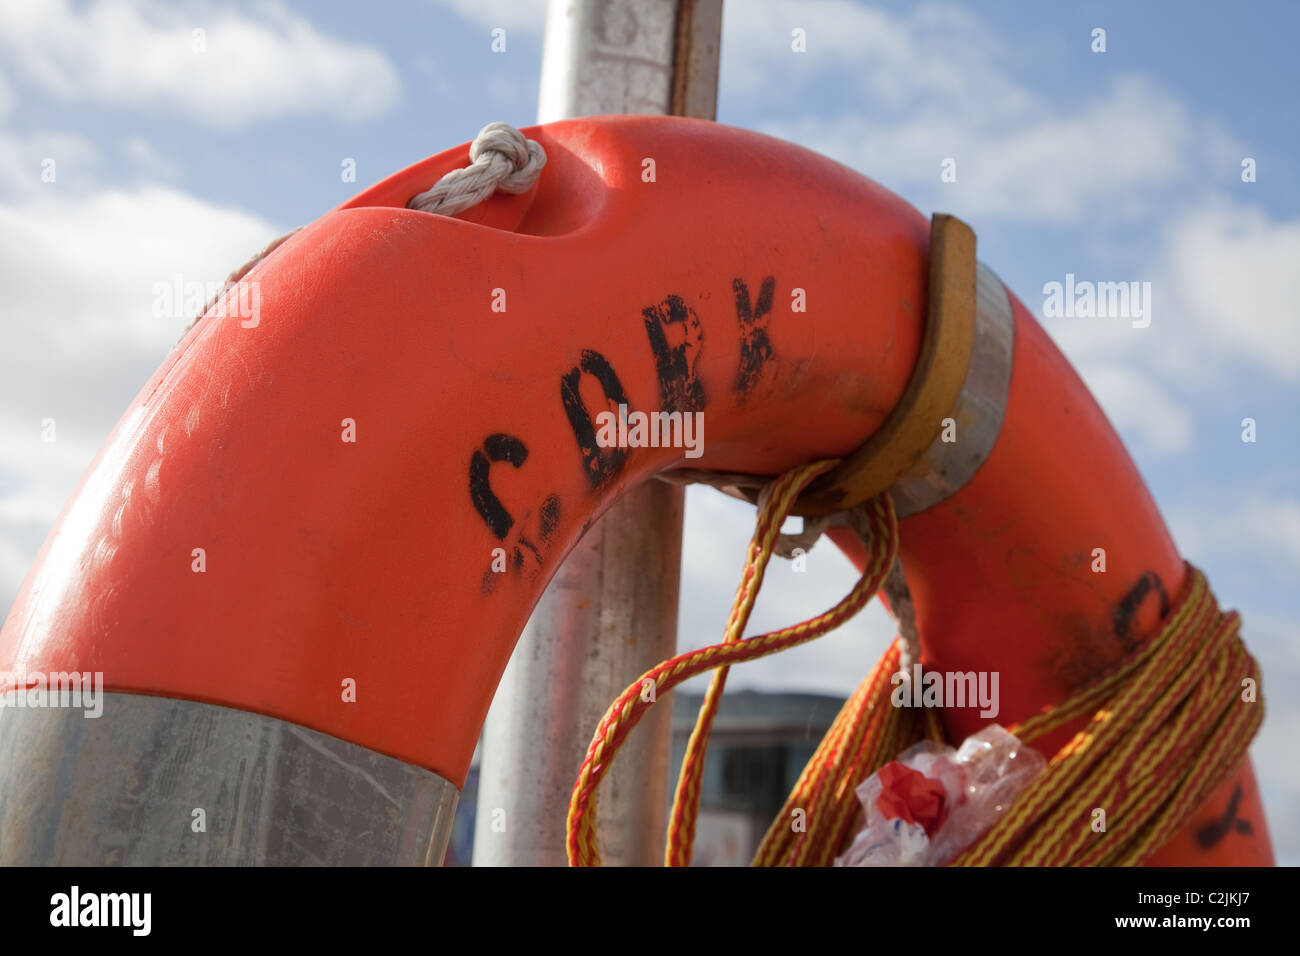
[[1236, 275], [1272, 641], [1278, 773], [1107, 161], [7, 98], [255, 66], [80, 335], [146, 161], [1252, 529], [24, 156], [15, 560], [932, 84], [1144, 413], [1271, 524], [1225, 294], [717, 533], [84, 269], [899, 62]]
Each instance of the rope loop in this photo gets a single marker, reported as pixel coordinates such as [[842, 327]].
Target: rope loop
[[881, 528]]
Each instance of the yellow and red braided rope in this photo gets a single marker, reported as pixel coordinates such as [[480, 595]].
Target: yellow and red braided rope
[[1168, 727], [631, 705]]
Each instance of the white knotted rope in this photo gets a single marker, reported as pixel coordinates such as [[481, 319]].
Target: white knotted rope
[[500, 159]]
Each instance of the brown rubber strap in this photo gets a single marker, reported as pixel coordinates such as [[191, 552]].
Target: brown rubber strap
[[930, 396], [931, 393]]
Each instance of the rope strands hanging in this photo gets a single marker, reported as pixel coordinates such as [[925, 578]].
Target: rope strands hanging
[[632, 704]]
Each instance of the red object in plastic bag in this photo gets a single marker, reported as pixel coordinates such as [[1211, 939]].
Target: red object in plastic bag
[[912, 796]]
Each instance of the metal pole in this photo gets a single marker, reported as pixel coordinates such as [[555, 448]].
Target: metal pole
[[611, 611]]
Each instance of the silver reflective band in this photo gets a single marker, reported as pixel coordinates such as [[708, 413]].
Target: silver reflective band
[[946, 466], [124, 788]]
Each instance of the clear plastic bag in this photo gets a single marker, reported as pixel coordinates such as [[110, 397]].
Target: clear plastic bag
[[931, 803]]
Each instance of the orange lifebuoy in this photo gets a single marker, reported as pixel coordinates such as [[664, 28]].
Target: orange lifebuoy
[[774, 291]]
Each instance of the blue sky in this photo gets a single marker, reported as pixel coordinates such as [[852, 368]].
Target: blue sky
[[1116, 166]]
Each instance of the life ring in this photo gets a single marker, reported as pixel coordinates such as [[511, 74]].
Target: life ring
[[319, 530]]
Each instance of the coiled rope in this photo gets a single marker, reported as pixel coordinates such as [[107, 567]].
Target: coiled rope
[[1168, 727]]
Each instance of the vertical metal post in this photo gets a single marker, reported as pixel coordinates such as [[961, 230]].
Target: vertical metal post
[[611, 612]]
